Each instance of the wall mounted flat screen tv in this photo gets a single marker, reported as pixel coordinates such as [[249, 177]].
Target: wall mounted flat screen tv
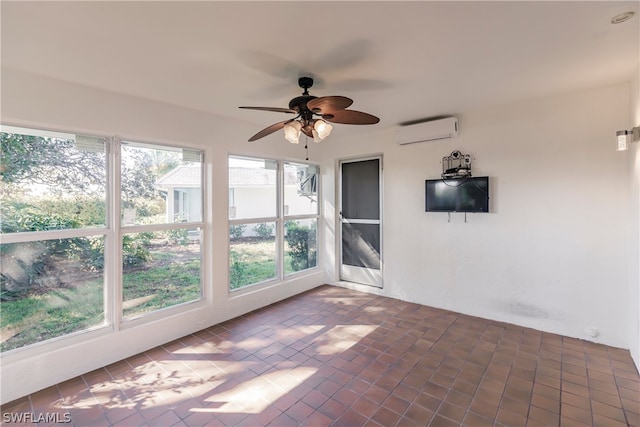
[[457, 195]]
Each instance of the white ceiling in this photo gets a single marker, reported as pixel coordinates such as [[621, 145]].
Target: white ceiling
[[401, 61]]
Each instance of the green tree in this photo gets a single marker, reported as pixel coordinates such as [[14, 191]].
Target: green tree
[[59, 164], [54, 162]]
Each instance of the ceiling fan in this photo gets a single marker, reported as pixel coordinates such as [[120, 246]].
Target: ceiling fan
[[329, 108]]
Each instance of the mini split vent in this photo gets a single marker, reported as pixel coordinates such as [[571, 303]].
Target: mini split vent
[[433, 130]]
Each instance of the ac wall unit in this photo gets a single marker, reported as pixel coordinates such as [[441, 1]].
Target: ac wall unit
[[433, 130]]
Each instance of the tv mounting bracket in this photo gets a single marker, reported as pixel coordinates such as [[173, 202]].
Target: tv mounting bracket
[[456, 165]]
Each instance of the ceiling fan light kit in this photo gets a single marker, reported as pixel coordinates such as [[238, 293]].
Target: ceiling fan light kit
[[292, 131], [321, 130], [330, 109]]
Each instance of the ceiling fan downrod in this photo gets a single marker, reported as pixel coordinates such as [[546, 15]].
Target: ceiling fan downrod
[[305, 83]]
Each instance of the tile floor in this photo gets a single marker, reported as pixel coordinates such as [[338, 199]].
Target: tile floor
[[333, 356]]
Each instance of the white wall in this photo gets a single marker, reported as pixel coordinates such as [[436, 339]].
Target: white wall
[[634, 227], [551, 255], [29, 100]]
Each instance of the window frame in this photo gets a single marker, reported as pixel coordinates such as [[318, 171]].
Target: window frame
[[121, 230], [296, 217], [279, 221], [106, 232], [112, 232], [255, 221]]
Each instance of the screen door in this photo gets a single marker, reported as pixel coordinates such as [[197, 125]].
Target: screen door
[[360, 221]]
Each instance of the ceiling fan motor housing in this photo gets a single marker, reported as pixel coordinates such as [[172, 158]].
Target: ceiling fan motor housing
[[305, 82], [299, 103]]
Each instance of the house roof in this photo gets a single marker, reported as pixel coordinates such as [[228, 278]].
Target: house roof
[[182, 176], [401, 61]]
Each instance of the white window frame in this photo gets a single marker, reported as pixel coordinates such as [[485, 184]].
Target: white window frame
[[287, 217], [279, 221], [112, 233], [106, 232], [121, 230]]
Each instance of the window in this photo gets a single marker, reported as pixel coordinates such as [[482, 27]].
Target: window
[[253, 183], [53, 204], [161, 204], [301, 216], [273, 219], [58, 241]]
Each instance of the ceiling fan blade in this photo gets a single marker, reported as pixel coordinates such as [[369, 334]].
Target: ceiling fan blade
[[274, 109], [328, 104], [268, 130], [351, 117]]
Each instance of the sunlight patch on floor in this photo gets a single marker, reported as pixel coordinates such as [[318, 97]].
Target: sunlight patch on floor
[[374, 309], [298, 332], [148, 385], [341, 338], [255, 395], [170, 381], [204, 348], [254, 343]]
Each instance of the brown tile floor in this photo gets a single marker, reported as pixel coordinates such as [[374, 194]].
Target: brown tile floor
[[333, 356]]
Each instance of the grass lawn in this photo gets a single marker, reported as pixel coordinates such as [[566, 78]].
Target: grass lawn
[[160, 287], [52, 314], [171, 278], [80, 305], [251, 262]]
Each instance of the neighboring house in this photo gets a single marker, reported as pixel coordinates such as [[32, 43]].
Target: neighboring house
[[183, 186], [251, 193]]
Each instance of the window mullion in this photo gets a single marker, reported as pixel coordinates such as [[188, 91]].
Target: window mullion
[[69, 233], [253, 220], [305, 216], [114, 254], [280, 221]]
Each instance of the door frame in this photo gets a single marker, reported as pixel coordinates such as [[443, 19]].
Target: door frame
[[359, 275]]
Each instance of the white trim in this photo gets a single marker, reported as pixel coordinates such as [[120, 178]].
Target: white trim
[[253, 220], [69, 233], [113, 256], [280, 221], [160, 227], [37, 132]]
